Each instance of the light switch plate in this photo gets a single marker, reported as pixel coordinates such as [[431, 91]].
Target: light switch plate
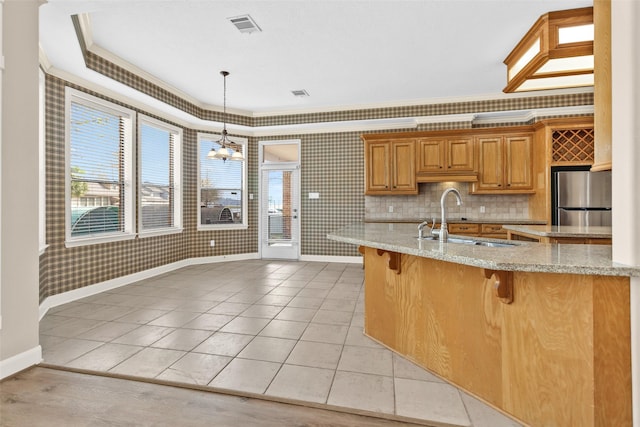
[[314, 195]]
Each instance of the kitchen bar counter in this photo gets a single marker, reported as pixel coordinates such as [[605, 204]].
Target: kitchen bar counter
[[522, 256], [459, 221], [540, 331], [561, 231]]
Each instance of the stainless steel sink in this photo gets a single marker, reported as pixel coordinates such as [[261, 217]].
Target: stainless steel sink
[[472, 242]]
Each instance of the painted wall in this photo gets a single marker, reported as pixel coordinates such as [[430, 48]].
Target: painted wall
[[19, 188]]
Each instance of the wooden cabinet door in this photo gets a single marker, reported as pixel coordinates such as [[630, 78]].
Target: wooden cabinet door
[[378, 163], [490, 164], [403, 167], [518, 162], [431, 155], [460, 155]]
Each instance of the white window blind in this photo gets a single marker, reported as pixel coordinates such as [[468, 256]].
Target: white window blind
[[159, 192], [99, 169], [222, 200]]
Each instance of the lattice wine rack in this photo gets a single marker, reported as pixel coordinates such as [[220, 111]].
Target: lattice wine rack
[[573, 145]]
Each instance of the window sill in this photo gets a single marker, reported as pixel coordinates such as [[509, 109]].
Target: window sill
[[159, 232], [42, 249], [97, 240], [222, 227]]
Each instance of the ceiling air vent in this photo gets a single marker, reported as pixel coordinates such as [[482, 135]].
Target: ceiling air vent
[[300, 92], [245, 24]]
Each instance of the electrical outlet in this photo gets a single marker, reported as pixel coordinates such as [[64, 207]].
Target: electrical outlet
[[482, 209], [390, 209], [212, 243]]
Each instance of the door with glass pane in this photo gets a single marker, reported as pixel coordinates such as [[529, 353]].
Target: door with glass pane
[[279, 201]]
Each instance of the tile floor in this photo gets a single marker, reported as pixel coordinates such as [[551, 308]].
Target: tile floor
[[285, 329]]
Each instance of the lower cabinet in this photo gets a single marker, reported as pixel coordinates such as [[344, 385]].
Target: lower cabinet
[[557, 354]]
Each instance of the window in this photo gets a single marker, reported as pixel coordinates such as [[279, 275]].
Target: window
[[222, 195], [159, 194], [100, 170]]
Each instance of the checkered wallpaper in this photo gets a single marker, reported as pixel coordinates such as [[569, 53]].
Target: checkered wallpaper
[[332, 165]]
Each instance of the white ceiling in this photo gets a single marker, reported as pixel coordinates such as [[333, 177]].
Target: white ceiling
[[346, 54]]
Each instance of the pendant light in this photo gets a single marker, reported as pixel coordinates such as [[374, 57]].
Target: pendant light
[[225, 151]]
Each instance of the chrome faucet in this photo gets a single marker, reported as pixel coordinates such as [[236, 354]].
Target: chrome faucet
[[444, 232], [421, 228]]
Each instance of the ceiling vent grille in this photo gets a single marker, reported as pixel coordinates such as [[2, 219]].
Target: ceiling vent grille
[[300, 92], [245, 24]]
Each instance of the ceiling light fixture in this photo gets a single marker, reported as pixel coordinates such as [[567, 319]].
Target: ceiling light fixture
[[300, 93], [245, 24], [225, 151], [557, 52]]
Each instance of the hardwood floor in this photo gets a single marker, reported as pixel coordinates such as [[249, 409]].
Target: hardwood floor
[[48, 397]]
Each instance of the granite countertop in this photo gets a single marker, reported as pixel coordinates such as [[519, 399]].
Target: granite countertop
[[522, 256], [562, 231], [459, 220]]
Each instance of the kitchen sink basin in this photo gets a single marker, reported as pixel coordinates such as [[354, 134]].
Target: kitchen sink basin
[[473, 242]]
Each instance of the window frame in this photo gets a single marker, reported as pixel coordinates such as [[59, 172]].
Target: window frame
[[42, 170], [129, 124], [177, 226], [243, 142]]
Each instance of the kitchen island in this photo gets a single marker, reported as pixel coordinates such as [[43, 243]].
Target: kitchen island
[[594, 235], [539, 331]]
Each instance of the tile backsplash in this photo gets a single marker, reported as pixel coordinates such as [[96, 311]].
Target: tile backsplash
[[426, 205]]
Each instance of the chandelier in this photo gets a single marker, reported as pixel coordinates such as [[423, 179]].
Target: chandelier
[[225, 151]]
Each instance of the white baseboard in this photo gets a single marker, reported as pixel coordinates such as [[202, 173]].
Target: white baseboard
[[20, 361], [328, 258], [76, 294]]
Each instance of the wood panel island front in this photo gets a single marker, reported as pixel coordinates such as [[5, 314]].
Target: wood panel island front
[[539, 331]]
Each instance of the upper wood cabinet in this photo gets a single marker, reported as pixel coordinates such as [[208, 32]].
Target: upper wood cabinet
[[390, 167], [505, 164], [445, 159]]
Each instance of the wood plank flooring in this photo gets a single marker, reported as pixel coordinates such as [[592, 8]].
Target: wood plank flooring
[[48, 397]]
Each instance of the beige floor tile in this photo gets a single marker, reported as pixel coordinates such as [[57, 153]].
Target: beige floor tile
[[74, 327], [284, 329], [224, 344], [145, 335], [197, 306], [285, 291], [313, 293], [315, 355], [195, 368], [377, 361], [142, 316], [48, 341], [339, 305], [148, 362], [482, 415], [162, 303], [252, 376], [272, 299], [402, 368], [209, 321], [64, 352], [183, 339], [356, 337], [229, 308], [431, 401], [302, 383], [362, 391], [318, 332], [296, 314], [217, 295], [245, 325], [332, 317], [81, 310], [294, 283], [174, 319], [245, 298], [306, 302], [51, 321], [268, 349], [104, 357], [264, 311], [108, 331]]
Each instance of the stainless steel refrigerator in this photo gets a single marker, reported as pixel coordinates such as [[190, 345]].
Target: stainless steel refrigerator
[[581, 198]]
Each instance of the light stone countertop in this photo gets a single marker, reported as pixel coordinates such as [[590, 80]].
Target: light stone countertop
[[459, 220], [522, 256], [562, 231]]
